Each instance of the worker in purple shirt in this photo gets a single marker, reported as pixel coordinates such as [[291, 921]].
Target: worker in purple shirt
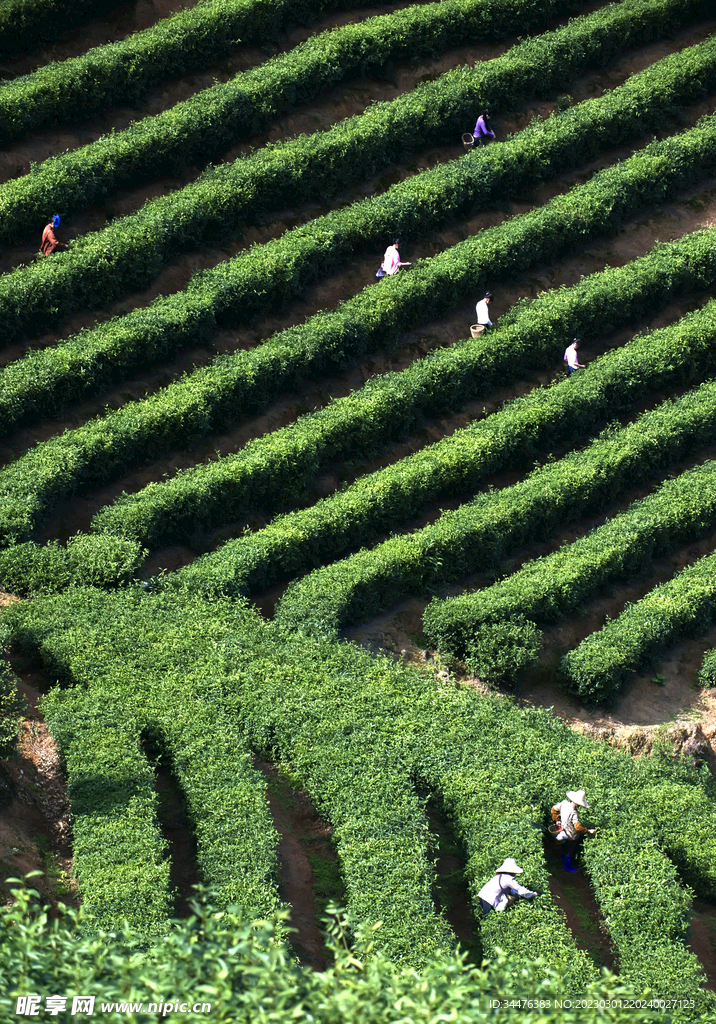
[[483, 133]]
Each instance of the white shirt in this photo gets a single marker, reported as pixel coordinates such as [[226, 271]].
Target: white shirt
[[568, 815], [391, 260], [495, 891], [483, 316], [572, 359]]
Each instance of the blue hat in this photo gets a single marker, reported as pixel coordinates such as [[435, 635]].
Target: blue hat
[[55, 220]]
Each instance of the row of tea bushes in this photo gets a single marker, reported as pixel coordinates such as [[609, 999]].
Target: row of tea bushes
[[86, 560], [46, 379], [28, 24], [382, 502], [127, 254], [685, 606], [486, 530], [191, 40]]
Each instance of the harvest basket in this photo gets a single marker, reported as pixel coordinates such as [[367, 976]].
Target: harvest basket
[[554, 828], [476, 330], [468, 140]]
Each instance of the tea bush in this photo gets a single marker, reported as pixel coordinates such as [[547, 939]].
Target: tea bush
[[707, 675], [684, 606], [102, 561]]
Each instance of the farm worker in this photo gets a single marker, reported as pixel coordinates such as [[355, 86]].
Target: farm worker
[[566, 812], [571, 359], [482, 312], [502, 890], [391, 260], [50, 243], [483, 133]]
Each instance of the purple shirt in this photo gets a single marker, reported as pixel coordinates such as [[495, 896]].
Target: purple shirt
[[482, 130]]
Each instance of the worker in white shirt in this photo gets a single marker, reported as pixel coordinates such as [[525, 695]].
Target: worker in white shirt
[[566, 812], [502, 889], [571, 359], [391, 261], [483, 315]]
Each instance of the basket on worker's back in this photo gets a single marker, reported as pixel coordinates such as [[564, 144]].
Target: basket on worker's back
[[468, 140], [476, 330]]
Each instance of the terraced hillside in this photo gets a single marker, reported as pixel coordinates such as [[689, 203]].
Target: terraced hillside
[[269, 517]]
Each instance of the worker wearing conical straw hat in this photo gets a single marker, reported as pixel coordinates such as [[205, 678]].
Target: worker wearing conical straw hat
[[503, 889], [566, 812]]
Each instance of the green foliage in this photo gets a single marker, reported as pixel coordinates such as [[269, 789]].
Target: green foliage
[[497, 651], [246, 974], [129, 253], [100, 561], [707, 674], [26, 24], [362, 733], [684, 606], [386, 406], [12, 704], [486, 530], [191, 40], [119, 853]]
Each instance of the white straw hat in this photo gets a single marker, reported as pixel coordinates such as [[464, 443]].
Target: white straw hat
[[511, 867], [579, 797]]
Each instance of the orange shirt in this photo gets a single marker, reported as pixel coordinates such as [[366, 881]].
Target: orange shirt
[[49, 241]]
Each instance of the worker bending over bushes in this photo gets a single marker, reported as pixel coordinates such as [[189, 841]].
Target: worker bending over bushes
[[50, 243], [567, 814], [502, 890]]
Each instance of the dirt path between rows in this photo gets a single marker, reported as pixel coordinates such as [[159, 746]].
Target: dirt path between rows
[[572, 892], [309, 871], [35, 829]]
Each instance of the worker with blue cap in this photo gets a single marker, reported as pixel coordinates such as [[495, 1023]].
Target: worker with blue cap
[[50, 243]]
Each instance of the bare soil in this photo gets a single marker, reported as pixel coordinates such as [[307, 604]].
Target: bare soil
[[310, 875], [450, 891], [176, 829], [702, 941], [574, 896], [35, 826]]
